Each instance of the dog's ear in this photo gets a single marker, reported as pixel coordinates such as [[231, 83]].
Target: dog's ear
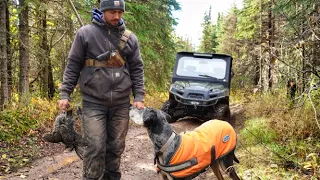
[[167, 116], [149, 116], [79, 111]]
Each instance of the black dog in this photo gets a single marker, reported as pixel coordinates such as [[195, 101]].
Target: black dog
[[64, 131], [169, 147]]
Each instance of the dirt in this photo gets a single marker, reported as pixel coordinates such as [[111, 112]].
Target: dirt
[[137, 160]]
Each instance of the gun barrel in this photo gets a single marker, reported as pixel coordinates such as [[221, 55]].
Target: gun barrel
[[103, 56]]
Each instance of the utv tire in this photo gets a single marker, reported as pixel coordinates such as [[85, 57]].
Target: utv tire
[[222, 112], [166, 108]]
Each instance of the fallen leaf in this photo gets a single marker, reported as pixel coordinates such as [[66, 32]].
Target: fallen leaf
[[23, 176], [11, 160], [274, 166], [4, 156], [7, 169]]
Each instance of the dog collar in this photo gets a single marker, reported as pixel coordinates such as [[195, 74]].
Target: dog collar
[[165, 146]]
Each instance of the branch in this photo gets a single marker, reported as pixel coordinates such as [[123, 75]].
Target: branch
[[313, 30], [75, 11], [53, 44], [36, 78], [315, 110], [314, 71], [290, 23]]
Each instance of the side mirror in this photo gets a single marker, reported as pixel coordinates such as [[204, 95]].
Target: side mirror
[[232, 73]]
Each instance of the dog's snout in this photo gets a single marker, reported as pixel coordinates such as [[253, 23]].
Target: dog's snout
[[135, 115]]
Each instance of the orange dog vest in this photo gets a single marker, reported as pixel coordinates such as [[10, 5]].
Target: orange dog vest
[[198, 144]]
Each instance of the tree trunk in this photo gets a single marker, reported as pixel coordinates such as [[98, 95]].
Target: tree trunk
[[303, 53], [257, 70], [316, 46], [68, 44], [51, 87], [303, 68], [272, 59], [3, 53], [264, 60], [24, 52], [260, 49], [9, 55], [45, 54]]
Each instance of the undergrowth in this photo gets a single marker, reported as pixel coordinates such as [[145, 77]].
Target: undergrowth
[[22, 127], [19, 120], [279, 138]]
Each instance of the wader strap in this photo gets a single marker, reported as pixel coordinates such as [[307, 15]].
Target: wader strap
[[95, 63], [118, 44], [178, 167], [124, 38], [165, 146]]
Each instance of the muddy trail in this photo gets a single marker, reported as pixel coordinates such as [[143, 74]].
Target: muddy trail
[[136, 164]]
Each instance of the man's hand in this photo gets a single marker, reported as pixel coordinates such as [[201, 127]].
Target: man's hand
[[138, 104], [64, 104]]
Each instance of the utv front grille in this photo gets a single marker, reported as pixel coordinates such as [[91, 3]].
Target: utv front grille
[[196, 96], [213, 96], [180, 93]]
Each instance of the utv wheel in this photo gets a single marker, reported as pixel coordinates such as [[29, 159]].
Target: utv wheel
[[222, 112], [166, 108]]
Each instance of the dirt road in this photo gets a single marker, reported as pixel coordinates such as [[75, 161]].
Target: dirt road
[[137, 160]]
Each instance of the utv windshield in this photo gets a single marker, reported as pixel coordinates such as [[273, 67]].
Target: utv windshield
[[201, 67]]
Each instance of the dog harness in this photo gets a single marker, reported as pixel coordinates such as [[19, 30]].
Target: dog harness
[[194, 152]]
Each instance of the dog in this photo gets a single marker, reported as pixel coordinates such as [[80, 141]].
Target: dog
[[64, 131], [177, 156]]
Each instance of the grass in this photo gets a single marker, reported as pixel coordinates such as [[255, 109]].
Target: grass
[[278, 141]]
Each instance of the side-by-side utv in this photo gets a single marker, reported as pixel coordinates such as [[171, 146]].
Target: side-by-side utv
[[200, 87]]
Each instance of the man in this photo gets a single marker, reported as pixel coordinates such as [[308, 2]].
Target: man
[[105, 87]]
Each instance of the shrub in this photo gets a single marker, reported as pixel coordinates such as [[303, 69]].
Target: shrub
[[257, 131], [19, 120], [284, 133], [286, 120]]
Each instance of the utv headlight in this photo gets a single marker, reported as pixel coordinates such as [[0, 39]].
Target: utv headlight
[[215, 90], [178, 86]]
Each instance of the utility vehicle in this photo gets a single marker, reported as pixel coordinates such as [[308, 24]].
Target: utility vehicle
[[200, 87]]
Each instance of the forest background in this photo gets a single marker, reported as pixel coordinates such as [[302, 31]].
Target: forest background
[[271, 42]]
